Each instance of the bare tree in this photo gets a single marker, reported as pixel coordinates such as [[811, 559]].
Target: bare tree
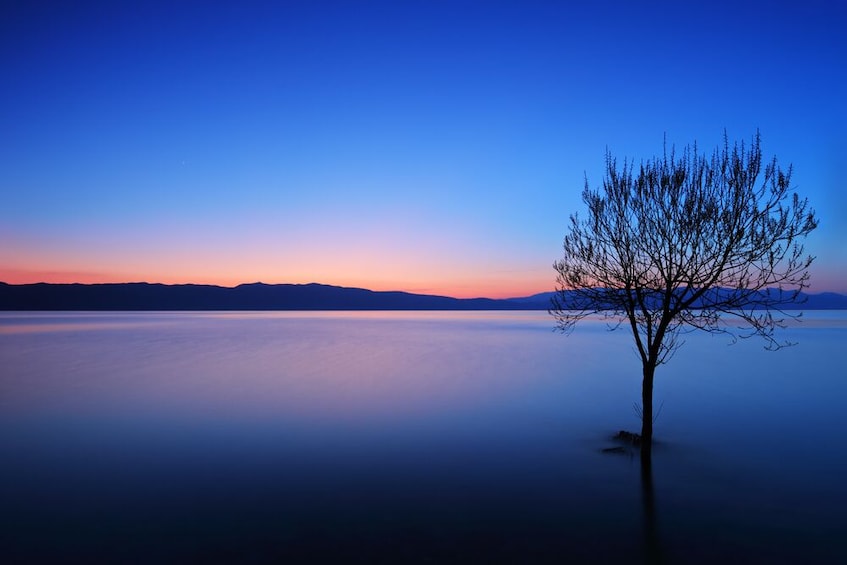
[[686, 244]]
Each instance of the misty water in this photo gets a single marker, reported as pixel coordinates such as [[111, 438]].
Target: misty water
[[411, 436]]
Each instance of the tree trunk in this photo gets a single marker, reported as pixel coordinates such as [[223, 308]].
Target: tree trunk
[[647, 409]]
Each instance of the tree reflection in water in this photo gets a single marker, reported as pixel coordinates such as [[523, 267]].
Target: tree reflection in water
[[652, 548]]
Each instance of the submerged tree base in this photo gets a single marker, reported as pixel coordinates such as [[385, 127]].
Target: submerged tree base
[[630, 439]]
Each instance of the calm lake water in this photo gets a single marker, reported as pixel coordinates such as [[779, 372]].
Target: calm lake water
[[411, 437]]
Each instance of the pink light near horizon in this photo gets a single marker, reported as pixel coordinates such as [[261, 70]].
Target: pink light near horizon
[[385, 249], [495, 287]]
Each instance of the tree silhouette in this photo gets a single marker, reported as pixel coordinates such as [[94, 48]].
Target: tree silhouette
[[683, 243]]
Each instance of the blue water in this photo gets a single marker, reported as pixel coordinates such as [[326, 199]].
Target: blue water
[[411, 437]]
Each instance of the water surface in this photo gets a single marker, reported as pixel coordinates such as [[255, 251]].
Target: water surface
[[411, 436]]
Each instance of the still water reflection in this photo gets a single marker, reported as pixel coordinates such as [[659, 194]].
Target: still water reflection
[[401, 437]]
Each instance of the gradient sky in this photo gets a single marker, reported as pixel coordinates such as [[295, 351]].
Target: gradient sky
[[429, 146]]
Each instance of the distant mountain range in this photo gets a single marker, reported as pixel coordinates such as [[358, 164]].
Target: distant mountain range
[[259, 296]]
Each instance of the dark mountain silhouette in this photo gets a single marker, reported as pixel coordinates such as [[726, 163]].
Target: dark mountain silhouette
[[258, 296]]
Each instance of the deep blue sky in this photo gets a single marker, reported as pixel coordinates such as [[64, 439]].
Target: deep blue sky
[[423, 146]]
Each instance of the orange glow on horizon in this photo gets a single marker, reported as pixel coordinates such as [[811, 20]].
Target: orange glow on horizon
[[443, 279]]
